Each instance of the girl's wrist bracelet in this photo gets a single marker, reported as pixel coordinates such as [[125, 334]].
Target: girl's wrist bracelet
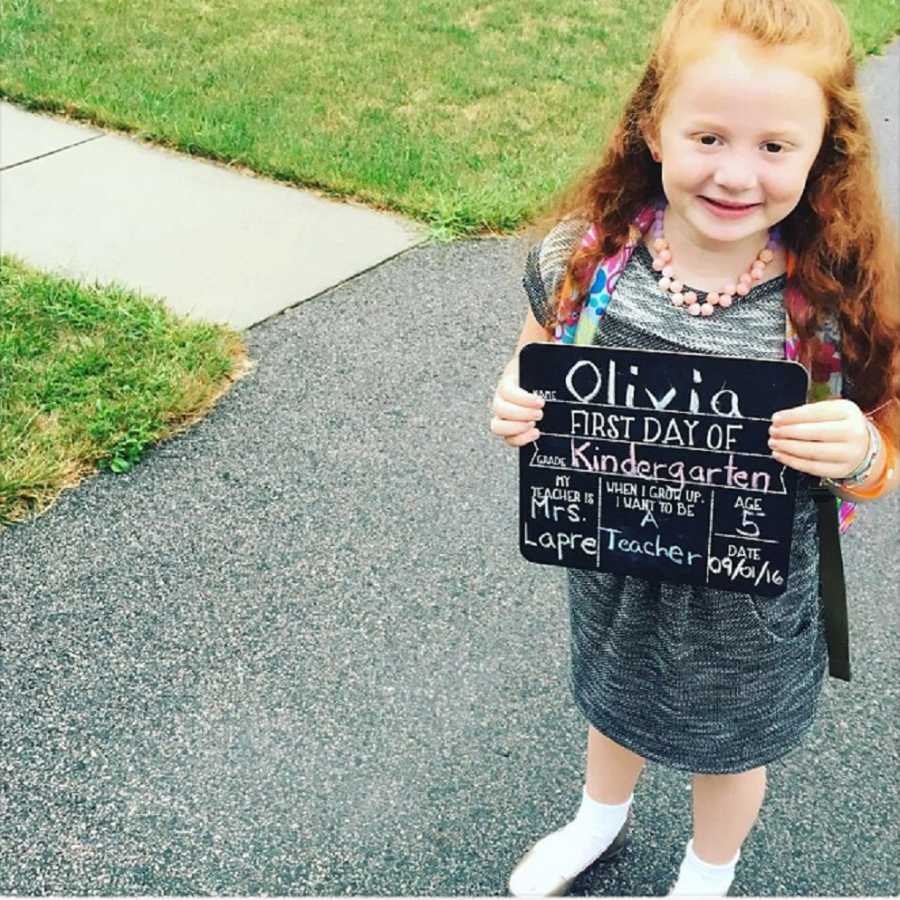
[[862, 471], [875, 490]]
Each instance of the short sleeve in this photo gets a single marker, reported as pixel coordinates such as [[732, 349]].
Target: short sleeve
[[546, 263], [534, 286]]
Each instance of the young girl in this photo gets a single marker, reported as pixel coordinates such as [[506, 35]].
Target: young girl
[[746, 159]]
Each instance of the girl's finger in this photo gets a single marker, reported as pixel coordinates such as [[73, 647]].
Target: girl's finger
[[504, 409], [520, 440], [822, 411], [813, 431], [509, 427], [510, 389], [811, 467], [825, 451], [514, 394]]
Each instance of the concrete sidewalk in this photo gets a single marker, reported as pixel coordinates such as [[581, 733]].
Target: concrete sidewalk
[[296, 651], [210, 241]]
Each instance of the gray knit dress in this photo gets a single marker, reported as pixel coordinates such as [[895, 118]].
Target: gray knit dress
[[694, 678]]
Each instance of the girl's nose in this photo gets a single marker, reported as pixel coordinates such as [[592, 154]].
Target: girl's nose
[[735, 175]]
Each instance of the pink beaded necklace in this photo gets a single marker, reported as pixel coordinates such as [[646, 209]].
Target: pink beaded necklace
[[689, 300]]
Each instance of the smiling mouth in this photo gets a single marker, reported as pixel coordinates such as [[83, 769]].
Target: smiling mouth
[[726, 205]]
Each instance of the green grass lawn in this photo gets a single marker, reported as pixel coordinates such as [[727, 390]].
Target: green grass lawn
[[464, 115], [467, 116], [89, 377]]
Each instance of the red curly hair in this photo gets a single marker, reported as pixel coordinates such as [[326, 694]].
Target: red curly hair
[[842, 243]]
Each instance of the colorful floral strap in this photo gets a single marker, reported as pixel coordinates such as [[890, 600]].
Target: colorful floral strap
[[825, 368], [825, 380]]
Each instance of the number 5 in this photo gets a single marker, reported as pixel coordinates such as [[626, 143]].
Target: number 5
[[748, 527]]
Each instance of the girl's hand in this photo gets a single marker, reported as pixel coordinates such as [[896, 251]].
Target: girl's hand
[[516, 411], [828, 439]]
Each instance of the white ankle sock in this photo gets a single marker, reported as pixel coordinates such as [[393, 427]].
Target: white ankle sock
[[572, 848], [699, 878], [602, 818]]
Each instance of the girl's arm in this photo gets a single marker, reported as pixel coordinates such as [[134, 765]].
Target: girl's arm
[[532, 330]]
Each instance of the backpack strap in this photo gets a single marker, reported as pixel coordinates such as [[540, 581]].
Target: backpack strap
[[834, 514], [581, 326], [832, 584], [824, 366]]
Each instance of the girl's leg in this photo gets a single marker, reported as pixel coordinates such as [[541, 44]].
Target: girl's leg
[[611, 771], [553, 863], [725, 809]]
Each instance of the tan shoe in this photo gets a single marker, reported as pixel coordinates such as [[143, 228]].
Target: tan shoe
[[521, 885]]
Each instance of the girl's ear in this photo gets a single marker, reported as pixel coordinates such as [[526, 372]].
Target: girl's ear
[[649, 135]]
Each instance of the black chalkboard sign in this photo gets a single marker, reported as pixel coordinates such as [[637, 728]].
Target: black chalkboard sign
[[658, 465]]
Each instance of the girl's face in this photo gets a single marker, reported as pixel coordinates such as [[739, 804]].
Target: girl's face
[[742, 127]]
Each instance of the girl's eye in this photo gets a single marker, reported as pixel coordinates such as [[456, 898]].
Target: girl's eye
[[711, 138], [770, 144]]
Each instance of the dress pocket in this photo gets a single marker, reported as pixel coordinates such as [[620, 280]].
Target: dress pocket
[[784, 618], [791, 615]]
